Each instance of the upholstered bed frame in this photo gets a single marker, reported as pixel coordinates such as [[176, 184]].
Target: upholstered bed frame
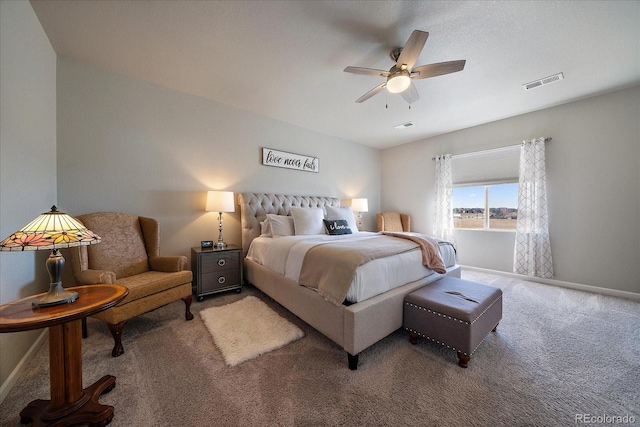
[[354, 327]]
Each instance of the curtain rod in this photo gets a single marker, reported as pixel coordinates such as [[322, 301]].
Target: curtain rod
[[489, 150]]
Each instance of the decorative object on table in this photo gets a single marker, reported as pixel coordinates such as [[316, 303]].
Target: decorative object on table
[[248, 328], [51, 231], [282, 159], [220, 201], [360, 205], [206, 244]]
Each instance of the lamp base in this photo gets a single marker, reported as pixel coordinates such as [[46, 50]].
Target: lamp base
[[220, 244], [57, 295]]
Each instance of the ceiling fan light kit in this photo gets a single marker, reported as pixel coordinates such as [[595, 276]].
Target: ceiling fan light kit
[[400, 76], [398, 81]]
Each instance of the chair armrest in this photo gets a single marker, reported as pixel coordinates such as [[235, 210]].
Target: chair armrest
[[93, 277], [168, 264]]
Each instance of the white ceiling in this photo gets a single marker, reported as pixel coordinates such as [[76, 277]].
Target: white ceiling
[[285, 59]]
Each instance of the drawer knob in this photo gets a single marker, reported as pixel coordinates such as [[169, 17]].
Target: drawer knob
[[221, 262], [221, 279]]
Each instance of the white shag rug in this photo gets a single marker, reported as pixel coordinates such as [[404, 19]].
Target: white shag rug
[[248, 328]]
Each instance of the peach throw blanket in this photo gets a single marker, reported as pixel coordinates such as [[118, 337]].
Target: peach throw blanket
[[430, 249]]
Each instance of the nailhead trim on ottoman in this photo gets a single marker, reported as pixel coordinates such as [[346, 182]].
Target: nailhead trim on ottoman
[[454, 313]]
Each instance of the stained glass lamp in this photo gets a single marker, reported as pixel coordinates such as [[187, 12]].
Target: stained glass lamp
[[51, 230]]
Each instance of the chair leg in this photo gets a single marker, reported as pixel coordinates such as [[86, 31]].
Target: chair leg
[[187, 313], [85, 333], [116, 331]]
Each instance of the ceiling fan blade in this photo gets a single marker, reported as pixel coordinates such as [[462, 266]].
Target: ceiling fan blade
[[367, 71], [433, 70], [413, 47], [411, 94], [371, 92]]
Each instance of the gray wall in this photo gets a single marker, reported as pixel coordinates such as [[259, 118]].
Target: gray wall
[[593, 180], [27, 161], [132, 146]]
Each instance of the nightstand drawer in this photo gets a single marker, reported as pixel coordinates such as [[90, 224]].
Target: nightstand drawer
[[217, 261], [219, 280]]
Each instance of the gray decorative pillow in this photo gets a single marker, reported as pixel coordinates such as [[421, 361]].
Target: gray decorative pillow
[[337, 226]]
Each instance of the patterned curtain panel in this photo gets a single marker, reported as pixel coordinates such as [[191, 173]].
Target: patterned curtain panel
[[443, 226], [532, 255]]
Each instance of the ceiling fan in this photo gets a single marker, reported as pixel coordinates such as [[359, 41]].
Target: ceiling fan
[[400, 76]]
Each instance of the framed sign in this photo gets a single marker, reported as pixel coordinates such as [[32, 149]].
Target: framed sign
[[282, 159]]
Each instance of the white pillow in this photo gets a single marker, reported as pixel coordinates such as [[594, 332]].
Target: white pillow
[[345, 213], [308, 220], [280, 225]]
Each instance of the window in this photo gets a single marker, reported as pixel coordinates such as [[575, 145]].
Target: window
[[485, 189], [470, 205]]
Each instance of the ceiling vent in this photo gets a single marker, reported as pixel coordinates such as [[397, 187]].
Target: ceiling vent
[[547, 80], [403, 125]]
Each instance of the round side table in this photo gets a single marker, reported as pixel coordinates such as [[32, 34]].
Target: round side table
[[70, 403]]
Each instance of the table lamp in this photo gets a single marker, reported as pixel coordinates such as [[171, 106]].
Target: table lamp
[[51, 230], [220, 201], [359, 205]]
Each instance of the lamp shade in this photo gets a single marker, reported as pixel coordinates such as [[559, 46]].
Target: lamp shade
[[50, 230], [359, 205], [220, 201]]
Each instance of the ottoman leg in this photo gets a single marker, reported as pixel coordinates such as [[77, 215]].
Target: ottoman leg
[[495, 327], [463, 360], [413, 337]]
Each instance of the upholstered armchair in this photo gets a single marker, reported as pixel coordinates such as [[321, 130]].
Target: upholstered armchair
[[129, 255], [393, 221]]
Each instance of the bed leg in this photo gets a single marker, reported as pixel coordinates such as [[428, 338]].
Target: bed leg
[[353, 361]]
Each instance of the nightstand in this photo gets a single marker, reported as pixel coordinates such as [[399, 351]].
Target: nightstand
[[216, 270]]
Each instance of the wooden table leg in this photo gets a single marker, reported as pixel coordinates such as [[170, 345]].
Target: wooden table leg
[[69, 403]]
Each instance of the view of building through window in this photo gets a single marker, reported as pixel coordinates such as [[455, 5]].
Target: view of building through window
[[471, 203]]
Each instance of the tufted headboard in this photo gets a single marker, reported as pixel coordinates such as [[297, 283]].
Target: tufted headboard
[[254, 208]]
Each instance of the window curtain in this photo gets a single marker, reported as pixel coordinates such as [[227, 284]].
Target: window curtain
[[532, 255], [443, 226]]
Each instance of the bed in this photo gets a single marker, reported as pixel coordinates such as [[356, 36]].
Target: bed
[[353, 325]]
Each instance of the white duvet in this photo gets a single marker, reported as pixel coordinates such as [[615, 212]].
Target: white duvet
[[285, 255]]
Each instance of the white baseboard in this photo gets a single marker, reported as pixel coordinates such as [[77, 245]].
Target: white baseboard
[[6, 387], [570, 285]]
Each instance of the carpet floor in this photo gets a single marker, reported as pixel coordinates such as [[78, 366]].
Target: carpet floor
[[558, 356]]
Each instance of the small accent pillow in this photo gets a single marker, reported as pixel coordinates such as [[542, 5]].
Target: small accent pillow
[[280, 225], [343, 213], [337, 226], [308, 220]]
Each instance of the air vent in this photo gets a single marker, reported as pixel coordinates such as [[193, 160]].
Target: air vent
[[545, 81], [403, 125]]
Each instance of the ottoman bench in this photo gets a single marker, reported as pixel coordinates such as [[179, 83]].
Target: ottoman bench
[[453, 312]]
